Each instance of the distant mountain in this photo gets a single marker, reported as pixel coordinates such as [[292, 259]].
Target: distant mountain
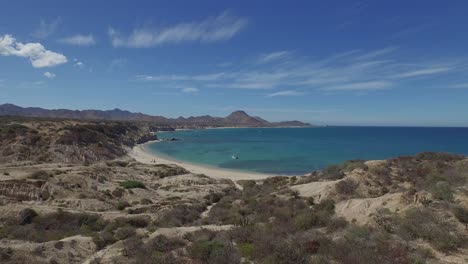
[[235, 119]]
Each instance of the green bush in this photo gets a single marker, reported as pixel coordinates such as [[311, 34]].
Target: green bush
[[121, 205], [246, 249], [351, 165], [346, 187], [26, 216], [40, 175], [53, 226], [130, 184], [124, 232], [424, 223], [442, 191], [203, 249], [333, 172], [461, 213], [326, 205]]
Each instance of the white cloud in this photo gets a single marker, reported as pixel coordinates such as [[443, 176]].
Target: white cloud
[[79, 40], [285, 93], [46, 29], [78, 64], [222, 27], [360, 86], [428, 71], [49, 75], [37, 54], [177, 77], [274, 56], [190, 90]]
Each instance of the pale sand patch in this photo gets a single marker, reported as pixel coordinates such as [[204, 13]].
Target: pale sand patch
[[317, 190], [361, 209], [140, 154]]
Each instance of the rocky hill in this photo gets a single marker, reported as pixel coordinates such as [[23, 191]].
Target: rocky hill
[[68, 141], [235, 119]]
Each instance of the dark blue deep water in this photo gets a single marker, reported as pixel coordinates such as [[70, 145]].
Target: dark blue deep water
[[301, 150]]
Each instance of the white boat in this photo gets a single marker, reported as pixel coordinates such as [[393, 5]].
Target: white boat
[[234, 156]]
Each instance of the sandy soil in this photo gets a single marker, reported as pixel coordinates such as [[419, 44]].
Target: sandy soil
[[140, 154]]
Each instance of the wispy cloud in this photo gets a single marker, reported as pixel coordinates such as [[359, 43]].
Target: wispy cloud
[[285, 93], [213, 29], [274, 56], [350, 71], [177, 77], [38, 55], [49, 75], [189, 90], [79, 40], [421, 72], [359, 86], [78, 64], [46, 29]]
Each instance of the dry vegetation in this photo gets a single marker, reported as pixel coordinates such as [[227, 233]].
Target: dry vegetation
[[71, 208]]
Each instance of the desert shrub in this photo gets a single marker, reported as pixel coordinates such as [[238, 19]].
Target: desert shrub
[[438, 156], [130, 184], [461, 213], [202, 250], [138, 222], [145, 201], [442, 191], [362, 244], [200, 235], [246, 249], [5, 254], [180, 215], [118, 192], [26, 216], [39, 175], [158, 257], [124, 232], [218, 250], [336, 223], [351, 165], [132, 246], [58, 245], [104, 238], [164, 244], [119, 163], [168, 171], [53, 226], [346, 187], [423, 223], [213, 197], [333, 172], [121, 205], [326, 205]]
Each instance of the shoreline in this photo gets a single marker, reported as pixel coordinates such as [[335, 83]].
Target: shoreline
[[210, 128], [141, 154]]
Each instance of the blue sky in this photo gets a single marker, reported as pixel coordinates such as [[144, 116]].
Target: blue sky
[[325, 62]]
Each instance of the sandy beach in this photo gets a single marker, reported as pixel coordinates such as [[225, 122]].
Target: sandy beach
[[142, 155]]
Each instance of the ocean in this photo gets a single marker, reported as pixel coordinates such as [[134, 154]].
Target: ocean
[[295, 151]]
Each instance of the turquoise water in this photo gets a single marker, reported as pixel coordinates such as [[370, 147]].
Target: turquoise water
[[301, 150]]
